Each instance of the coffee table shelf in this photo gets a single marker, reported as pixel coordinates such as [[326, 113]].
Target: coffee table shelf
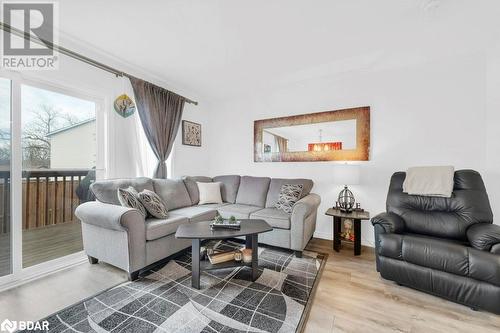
[[250, 229], [207, 265]]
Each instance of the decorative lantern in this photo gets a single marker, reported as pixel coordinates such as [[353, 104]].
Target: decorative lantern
[[346, 174], [346, 200]]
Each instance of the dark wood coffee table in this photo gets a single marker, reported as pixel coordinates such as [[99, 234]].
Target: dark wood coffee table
[[198, 231]]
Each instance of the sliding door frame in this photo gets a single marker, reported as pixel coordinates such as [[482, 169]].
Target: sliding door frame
[[20, 275]]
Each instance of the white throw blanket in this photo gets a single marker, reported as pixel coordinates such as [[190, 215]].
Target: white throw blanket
[[433, 181]]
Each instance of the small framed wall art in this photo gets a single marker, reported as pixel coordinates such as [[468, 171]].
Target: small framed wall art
[[191, 133]]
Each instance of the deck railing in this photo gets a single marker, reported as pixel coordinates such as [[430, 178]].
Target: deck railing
[[49, 197]]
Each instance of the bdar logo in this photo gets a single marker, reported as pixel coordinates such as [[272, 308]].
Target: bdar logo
[[8, 326], [37, 326]]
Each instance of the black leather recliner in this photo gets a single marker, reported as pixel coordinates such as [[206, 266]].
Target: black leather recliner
[[447, 247]]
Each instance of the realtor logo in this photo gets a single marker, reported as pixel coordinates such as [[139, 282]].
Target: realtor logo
[[36, 19]]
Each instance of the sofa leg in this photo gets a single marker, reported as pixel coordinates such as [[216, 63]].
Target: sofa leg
[[93, 260], [133, 276], [298, 254]]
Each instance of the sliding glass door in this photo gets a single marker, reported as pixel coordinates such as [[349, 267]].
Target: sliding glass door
[[59, 152], [5, 158], [49, 154]]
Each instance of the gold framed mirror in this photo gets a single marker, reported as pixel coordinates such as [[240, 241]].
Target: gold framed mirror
[[340, 135]]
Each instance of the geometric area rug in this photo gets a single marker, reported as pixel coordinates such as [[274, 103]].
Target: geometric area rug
[[228, 301]]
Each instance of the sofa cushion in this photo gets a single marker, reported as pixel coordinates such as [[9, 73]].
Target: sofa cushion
[[173, 192], [214, 206], [192, 187], [275, 217], [209, 193], [105, 190], [195, 213], [229, 187], [158, 228], [253, 191], [237, 210], [273, 194], [435, 253], [440, 254]]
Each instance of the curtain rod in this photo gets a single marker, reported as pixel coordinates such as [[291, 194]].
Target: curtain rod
[[72, 54]]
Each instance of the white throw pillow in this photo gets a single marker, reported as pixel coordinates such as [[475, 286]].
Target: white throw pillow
[[209, 193]]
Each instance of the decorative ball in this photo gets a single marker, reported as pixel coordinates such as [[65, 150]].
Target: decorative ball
[[346, 200]]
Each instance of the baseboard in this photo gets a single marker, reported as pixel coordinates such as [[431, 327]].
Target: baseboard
[[42, 270], [323, 235], [329, 236]]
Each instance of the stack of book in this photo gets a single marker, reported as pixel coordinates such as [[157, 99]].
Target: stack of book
[[226, 224], [220, 257]]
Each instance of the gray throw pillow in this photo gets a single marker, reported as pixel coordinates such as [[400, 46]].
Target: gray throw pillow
[[289, 195], [129, 198], [153, 204]]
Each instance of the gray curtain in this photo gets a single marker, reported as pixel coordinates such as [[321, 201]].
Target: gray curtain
[[282, 143], [160, 111]]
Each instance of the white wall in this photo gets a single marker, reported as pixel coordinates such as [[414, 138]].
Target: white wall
[[428, 114], [190, 160], [492, 174]]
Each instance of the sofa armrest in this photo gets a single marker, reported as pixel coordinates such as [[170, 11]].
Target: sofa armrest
[[119, 222], [305, 207], [109, 216], [484, 236], [390, 222], [303, 221]]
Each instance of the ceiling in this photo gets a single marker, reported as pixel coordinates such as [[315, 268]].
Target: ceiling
[[220, 48]]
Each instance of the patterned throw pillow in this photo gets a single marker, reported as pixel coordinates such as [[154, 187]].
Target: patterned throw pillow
[[289, 195], [128, 198], [153, 203]]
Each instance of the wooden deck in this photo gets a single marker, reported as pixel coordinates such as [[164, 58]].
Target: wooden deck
[[43, 244]]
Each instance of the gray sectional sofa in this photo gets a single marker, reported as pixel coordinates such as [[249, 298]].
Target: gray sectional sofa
[[122, 237]]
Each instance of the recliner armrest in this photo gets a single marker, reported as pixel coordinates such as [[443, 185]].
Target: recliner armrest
[[484, 236], [391, 222]]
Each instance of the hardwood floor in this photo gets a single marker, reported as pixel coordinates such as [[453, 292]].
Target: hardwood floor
[[351, 297], [38, 299]]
